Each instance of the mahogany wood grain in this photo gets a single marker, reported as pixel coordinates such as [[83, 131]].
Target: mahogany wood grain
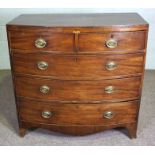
[[86, 42], [78, 114], [124, 89], [80, 130], [22, 131], [132, 129], [66, 67], [55, 42], [98, 22], [76, 54], [127, 41]]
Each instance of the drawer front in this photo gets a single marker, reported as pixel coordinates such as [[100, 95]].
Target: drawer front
[[80, 66], [77, 114], [86, 42], [41, 41], [121, 41], [106, 90]]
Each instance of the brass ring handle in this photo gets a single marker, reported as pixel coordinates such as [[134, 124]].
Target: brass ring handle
[[111, 43], [111, 65], [46, 114], [109, 89], [44, 89], [40, 43], [42, 65], [108, 114]]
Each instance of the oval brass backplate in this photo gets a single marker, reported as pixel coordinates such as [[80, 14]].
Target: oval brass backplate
[[46, 114], [42, 65], [111, 65], [40, 43], [109, 89], [111, 43], [44, 89], [108, 114]]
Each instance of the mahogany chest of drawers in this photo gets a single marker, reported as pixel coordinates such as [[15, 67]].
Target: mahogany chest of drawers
[[78, 73]]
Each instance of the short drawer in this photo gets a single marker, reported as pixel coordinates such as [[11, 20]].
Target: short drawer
[[112, 42], [57, 90], [78, 114], [29, 41], [78, 67]]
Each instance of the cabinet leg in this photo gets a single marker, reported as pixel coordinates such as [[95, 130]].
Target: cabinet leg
[[132, 130], [22, 132]]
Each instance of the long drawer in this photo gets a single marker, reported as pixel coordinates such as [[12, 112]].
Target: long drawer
[[106, 90], [79, 66], [83, 42], [77, 114]]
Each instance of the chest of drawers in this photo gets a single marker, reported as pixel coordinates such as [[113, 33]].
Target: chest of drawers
[[78, 73]]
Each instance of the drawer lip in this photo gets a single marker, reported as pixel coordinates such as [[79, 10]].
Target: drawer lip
[[80, 101], [74, 79], [137, 100], [87, 111], [60, 53]]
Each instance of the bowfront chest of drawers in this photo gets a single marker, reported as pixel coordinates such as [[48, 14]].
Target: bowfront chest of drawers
[[78, 73]]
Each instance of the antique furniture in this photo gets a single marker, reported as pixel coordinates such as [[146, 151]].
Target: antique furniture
[[78, 73]]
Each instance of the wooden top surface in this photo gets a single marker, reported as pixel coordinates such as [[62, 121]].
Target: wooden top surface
[[79, 20]]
